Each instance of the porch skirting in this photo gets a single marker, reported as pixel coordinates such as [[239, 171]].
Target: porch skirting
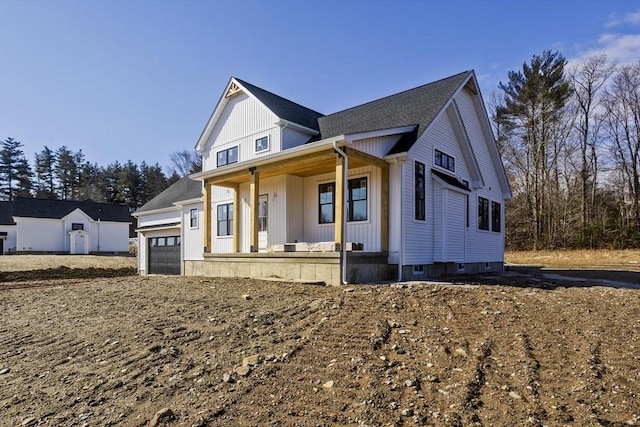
[[324, 267]]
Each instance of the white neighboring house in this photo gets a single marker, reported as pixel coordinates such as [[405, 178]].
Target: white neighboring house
[[169, 229], [404, 187], [64, 226]]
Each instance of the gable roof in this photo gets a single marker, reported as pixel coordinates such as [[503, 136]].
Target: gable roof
[[46, 208], [6, 217], [418, 106], [183, 189], [283, 108]]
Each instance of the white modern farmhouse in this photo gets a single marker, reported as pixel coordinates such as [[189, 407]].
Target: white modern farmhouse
[[404, 187], [29, 225]]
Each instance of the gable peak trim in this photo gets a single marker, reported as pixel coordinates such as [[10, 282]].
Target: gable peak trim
[[234, 89]]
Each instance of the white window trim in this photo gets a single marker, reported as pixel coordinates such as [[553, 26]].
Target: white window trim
[[413, 181], [255, 142], [191, 227]]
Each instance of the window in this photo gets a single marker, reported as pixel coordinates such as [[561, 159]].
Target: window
[[466, 211], [357, 203], [420, 191], [326, 204], [495, 217], [445, 161], [193, 218], [262, 212], [418, 269], [77, 226], [262, 144], [483, 213], [225, 220], [228, 156]]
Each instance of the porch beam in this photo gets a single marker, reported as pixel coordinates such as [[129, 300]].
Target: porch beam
[[339, 206], [207, 216], [254, 194], [384, 208], [364, 157]]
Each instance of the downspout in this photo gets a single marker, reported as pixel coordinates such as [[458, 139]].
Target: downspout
[[401, 221], [344, 205]]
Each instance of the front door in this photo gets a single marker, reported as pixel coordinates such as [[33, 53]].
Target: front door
[[263, 220]]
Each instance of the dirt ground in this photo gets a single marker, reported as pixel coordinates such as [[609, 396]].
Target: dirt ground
[[510, 350]]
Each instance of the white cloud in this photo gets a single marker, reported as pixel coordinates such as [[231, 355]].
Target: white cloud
[[619, 48], [632, 18]]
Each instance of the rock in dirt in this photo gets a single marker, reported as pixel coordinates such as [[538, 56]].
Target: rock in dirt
[[243, 370], [227, 378], [163, 414], [407, 412], [4, 371], [328, 385], [515, 395], [29, 421], [251, 360], [246, 297]]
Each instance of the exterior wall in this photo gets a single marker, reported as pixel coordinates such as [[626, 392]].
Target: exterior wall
[[378, 147], [482, 246], [9, 244], [109, 237], [295, 209], [192, 241], [395, 212], [38, 234], [366, 232], [292, 138], [242, 121], [143, 237]]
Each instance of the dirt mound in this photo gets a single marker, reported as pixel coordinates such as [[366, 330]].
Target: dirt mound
[[63, 272], [221, 352]]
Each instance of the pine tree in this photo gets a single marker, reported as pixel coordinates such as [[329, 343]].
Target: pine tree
[[45, 174], [24, 178], [11, 157], [65, 172]]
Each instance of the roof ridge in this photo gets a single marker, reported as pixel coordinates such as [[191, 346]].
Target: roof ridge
[[243, 82], [398, 93]]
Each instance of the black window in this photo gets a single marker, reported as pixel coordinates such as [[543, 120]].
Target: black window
[[495, 217], [445, 161], [225, 219], [193, 218], [357, 203], [262, 212], [420, 191], [77, 226], [228, 156], [262, 144], [483, 213], [326, 203], [466, 209]]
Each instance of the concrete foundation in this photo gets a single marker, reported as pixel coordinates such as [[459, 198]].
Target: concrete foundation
[[438, 269]]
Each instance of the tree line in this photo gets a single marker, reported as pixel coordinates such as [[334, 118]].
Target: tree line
[[62, 174], [569, 139]]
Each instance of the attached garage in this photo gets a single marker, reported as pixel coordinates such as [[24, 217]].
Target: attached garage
[[164, 255]]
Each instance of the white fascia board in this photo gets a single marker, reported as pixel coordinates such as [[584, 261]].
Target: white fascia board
[[460, 134], [188, 202], [261, 161], [215, 115], [155, 211], [157, 228], [349, 138], [398, 157], [77, 210], [290, 124]]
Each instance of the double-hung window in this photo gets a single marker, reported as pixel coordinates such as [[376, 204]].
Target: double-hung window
[[228, 156], [225, 219], [483, 213], [193, 218], [445, 161], [420, 191], [326, 203]]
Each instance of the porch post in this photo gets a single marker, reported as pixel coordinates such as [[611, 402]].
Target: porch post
[[207, 217], [339, 208], [254, 193], [236, 218], [384, 208]]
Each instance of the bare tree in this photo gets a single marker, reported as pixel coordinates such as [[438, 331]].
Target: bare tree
[[185, 162]]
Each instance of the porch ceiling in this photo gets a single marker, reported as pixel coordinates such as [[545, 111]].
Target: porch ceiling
[[303, 166]]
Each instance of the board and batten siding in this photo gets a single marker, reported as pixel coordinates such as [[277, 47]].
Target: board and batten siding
[[242, 121], [378, 146], [482, 246], [192, 238], [293, 138], [366, 232]]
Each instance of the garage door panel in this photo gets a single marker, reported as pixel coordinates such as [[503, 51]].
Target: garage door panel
[[164, 255]]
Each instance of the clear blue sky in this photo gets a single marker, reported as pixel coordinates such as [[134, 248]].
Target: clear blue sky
[[137, 80]]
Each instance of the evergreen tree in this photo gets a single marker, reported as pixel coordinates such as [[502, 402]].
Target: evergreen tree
[[65, 172], [24, 178], [154, 181], [11, 157], [45, 174]]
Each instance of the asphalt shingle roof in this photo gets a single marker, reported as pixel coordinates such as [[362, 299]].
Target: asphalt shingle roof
[[284, 108], [6, 217], [47, 208], [417, 106], [183, 189]]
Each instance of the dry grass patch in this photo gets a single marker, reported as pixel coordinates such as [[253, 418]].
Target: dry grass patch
[[41, 262], [601, 259]]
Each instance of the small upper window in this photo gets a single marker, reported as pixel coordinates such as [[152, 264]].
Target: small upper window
[[77, 226], [262, 144], [445, 161], [193, 218], [228, 156]]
